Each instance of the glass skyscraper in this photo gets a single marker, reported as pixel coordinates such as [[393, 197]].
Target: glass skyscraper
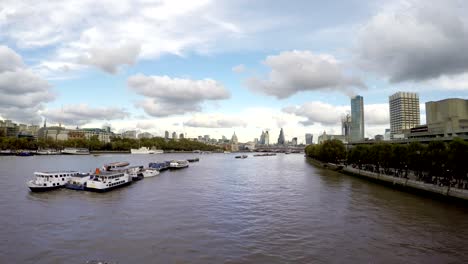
[[357, 118]]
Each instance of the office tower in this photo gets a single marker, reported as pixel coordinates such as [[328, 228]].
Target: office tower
[[174, 135], [404, 112], [357, 118], [281, 137], [166, 134], [309, 138], [181, 136], [294, 141], [267, 138]]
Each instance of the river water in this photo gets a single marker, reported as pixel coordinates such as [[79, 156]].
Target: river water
[[277, 209]]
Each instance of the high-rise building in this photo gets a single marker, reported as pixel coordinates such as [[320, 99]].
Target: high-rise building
[[309, 138], [267, 138], [357, 118], [281, 140], [174, 135], [181, 136], [166, 134], [404, 112], [346, 126], [262, 139]]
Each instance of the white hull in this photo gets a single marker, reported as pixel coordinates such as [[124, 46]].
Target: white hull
[[150, 173], [75, 151], [107, 182], [142, 150]]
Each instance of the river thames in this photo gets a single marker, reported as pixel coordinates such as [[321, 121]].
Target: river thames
[[277, 209]]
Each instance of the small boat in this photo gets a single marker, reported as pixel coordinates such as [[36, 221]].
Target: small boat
[[75, 151], [227, 152], [78, 181], [158, 151], [6, 152], [47, 152], [193, 160], [142, 150], [107, 180], [178, 164], [149, 172], [136, 172], [160, 166], [24, 153], [264, 154], [46, 181], [241, 157]]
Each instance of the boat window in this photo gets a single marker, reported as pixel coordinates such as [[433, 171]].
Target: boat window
[[45, 184]]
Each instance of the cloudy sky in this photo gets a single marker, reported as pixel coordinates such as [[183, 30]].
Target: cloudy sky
[[214, 67]]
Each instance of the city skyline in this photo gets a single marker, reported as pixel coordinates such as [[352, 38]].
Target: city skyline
[[203, 71]]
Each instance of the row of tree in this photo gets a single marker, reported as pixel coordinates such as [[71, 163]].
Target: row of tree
[[116, 144], [426, 162]]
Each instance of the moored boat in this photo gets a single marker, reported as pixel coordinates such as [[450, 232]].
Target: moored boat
[[193, 160], [24, 153], [6, 152], [149, 172], [178, 164], [136, 172], [241, 157], [114, 166], [160, 166], [107, 180], [75, 151], [142, 150], [47, 152], [46, 181], [78, 181]]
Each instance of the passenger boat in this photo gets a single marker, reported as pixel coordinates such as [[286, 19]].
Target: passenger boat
[[24, 153], [75, 151], [6, 152], [149, 172], [193, 160], [160, 166], [264, 154], [46, 181], [107, 180], [158, 151], [78, 181], [115, 166], [241, 157], [47, 152], [142, 150], [178, 164]]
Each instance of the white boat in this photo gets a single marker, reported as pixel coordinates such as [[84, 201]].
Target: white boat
[[46, 181], [75, 151], [178, 164], [48, 152], [158, 151], [142, 150], [149, 172], [107, 180]]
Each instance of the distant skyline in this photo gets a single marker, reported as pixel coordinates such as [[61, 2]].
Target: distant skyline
[[214, 67]]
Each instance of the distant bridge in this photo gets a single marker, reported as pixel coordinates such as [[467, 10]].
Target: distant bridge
[[281, 149]]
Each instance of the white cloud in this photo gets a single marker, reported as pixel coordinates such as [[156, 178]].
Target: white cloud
[[23, 93], [298, 71], [82, 114], [239, 68], [109, 59], [215, 121], [173, 96], [415, 40]]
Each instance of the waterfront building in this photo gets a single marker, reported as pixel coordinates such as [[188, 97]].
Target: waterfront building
[[174, 136], [404, 113], [281, 139], [267, 138], [53, 132], [181, 136], [145, 135], [309, 138], [206, 138], [449, 116], [387, 134], [294, 141], [131, 134], [324, 137], [378, 137], [346, 126], [234, 138], [166, 134], [357, 118]]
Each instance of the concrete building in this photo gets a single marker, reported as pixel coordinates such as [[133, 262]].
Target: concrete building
[[53, 132], [181, 136], [166, 134], [387, 134], [294, 141], [448, 117], [174, 136], [309, 139], [404, 112], [324, 137], [357, 118]]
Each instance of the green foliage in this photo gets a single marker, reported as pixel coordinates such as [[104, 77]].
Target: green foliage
[[329, 151]]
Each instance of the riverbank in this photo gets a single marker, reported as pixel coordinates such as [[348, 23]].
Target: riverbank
[[404, 184]]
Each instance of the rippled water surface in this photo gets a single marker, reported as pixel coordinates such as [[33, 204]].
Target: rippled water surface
[[276, 209]]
